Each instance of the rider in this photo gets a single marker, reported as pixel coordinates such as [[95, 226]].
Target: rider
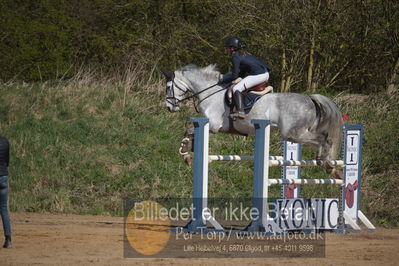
[[245, 65]]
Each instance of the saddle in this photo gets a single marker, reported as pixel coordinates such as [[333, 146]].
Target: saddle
[[251, 95]]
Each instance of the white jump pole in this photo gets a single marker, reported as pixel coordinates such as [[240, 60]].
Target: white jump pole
[[302, 181], [238, 158], [336, 163]]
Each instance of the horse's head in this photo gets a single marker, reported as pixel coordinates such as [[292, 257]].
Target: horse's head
[[190, 79], [176, 88]]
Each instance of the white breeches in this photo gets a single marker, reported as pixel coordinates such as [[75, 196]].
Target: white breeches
[[251, 81]]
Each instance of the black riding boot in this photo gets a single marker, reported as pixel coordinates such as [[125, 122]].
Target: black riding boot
[[239, 103], [7, 243]]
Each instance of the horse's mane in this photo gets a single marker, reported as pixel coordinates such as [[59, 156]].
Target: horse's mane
[[210, 71]]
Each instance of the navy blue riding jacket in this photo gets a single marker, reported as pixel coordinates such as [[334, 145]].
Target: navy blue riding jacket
[[244, 65]]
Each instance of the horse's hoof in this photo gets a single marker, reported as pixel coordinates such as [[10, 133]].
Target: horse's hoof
[[329, 170], [183, 150], [319, 162], [328, 165], [187, 159], [336, 174]]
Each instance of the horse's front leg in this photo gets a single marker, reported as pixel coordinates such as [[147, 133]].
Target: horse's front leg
[[215, 126], [319, 160], [184, 145]]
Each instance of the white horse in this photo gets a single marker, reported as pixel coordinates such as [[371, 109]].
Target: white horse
[[306, 119]]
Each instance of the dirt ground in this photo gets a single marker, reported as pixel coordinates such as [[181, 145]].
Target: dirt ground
[[74, 239]]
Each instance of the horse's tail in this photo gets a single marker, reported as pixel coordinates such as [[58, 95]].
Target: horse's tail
[[329, 122]]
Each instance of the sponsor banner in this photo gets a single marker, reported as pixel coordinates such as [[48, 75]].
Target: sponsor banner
[[303, 214]]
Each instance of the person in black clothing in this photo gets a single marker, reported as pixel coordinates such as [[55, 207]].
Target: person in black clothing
[[245, 65], [4, 161]]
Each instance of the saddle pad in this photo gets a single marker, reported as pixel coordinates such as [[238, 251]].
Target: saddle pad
[[267, 90], [250, 98]]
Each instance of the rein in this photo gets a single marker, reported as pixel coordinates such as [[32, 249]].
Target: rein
[[196, 109]]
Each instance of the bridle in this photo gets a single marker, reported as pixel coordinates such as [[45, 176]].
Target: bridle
[[170, 92], [175, 102]]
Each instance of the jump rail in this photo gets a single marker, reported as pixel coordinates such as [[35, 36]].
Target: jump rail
[[336, 163], [239, 158], [307, 181]]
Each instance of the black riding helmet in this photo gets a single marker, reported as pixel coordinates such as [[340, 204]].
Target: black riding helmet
[[234, 42]]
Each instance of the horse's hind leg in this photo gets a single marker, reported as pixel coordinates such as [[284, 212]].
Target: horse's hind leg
[[305, 137], [184, 145], [324, 148], [325, 159], [316, 139]]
